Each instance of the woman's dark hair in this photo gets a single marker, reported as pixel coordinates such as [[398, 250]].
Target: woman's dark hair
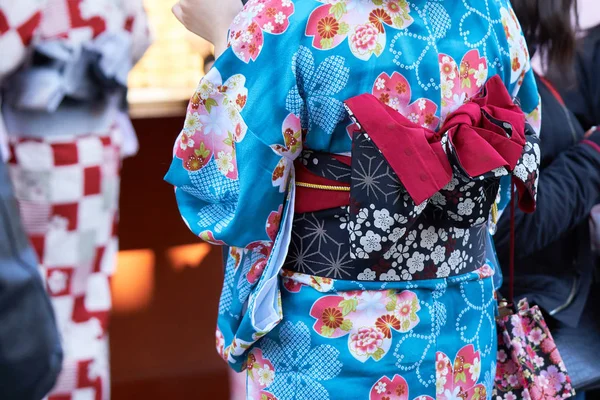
[[549, 28]]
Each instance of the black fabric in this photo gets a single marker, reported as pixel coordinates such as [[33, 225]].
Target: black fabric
[[584, 97], [30, 351], [553, 254]]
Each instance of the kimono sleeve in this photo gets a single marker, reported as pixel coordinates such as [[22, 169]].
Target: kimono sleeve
[[19, 20], [233, 160]]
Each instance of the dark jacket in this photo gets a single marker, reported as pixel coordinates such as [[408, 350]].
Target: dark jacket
[[30, 350], [583, 98], [554, 263]]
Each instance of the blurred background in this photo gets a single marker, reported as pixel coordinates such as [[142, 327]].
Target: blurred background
[[167, 285]]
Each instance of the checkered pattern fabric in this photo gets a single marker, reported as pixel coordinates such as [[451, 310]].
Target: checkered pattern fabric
[[68, 195]]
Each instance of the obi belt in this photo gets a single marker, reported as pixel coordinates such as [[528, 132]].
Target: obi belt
[[411, 203]]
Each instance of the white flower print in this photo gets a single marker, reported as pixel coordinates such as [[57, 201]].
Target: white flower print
[[344, 222], [521, 172], [529, 161], [438, 255], [215, 122], [465, 207], [370, 303], [401, 219], [286, 3], [451, 185], [406, 275], [268, 27], [371, 242], [443, 271], [454, 259], [438, 199], [380, 84], [192, 123], [413, 117], [416, 263], [498, 172], [265, 375], [428, 238], [225, 162], [390, 276], [205, 88], [475, 369], [396, 234], [422, 104], [280, 18], [383, 220], [362, 216], [354, 230], [459, 232], [443, 234], [481, 75], [247, 37], [381, 387], [367, 275], [446, 88], [185, 141], [57, 281]]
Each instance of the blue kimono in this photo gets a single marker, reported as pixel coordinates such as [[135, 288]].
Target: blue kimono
[[346, 278]]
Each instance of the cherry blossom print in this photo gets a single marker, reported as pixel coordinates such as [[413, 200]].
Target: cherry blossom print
[[369, 318], [261, 374], [459, 83], [395, 91], [362, 22], [213, 124], [459, 380], [519, 54], [257, 18], [292, 136], [392, 389]]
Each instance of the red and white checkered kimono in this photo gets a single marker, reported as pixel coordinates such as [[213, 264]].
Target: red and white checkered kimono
[[66, 177]]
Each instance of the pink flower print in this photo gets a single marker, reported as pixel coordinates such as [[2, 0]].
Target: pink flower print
[[273, 222], [510, 396], [460, 379], [292, 136], [364, 41], [367, 341], [261, 375], [220, 344], [388, 389], [369, 318], [556, 379], [363, 23], [459, 83], [395, 91], [536, 336], [246, 34], [263, 249], [214, 125]]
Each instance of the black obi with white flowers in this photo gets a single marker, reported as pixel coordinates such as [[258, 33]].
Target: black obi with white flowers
[[419, 203]]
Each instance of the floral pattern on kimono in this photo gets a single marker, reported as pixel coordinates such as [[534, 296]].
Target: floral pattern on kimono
[[259, 17], [363, 23], [279, 89]]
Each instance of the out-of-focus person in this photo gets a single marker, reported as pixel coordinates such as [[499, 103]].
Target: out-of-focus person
[[554, 259], [30, 349], [64, 110]]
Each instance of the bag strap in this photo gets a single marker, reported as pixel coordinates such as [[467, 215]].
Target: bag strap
[[511, 282]]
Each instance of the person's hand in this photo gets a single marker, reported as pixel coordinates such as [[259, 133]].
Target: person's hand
[[208, 19]]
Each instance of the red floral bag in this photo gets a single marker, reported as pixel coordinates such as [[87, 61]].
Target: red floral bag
[[529, 364]]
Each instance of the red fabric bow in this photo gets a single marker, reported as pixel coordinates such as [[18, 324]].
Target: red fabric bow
[[417, 156]]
